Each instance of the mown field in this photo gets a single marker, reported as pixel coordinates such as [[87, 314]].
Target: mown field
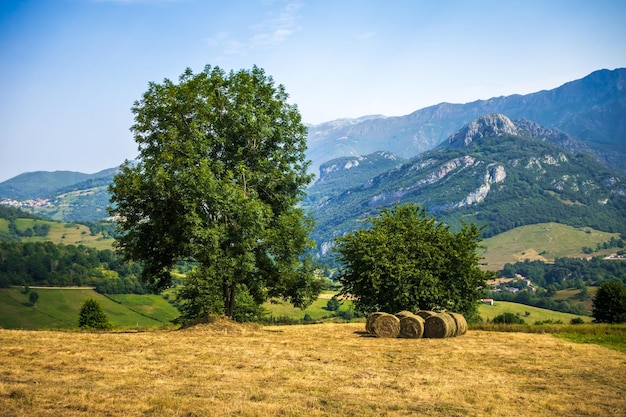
[[226, 369]]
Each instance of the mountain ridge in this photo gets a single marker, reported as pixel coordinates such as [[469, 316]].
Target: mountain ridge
[[592, 109]]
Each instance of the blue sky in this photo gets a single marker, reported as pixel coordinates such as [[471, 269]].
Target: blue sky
[[71, 69]]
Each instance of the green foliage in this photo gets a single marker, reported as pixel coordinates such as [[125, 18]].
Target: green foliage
[[333, 304], [48, 264], [12, 213], [408, 261], [218, 179], [609, 303], [92, 316], [247, 309], [568, 272], [33, 297], [200, 296], [508, 318]]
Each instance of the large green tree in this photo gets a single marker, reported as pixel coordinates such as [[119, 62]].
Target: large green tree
[[220, 173], [408, 261]]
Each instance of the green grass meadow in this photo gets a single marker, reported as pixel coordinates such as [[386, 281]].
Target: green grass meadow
[[545, 241], [316, 311], [528, 313], [59, 308]]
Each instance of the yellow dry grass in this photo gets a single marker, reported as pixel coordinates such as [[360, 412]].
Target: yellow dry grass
[[226, 369]]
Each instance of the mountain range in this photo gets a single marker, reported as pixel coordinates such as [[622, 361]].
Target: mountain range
[[556, 155], [592, 109]]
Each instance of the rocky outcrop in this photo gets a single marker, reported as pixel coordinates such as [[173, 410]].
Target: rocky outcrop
[[488, 126], [493, 176]]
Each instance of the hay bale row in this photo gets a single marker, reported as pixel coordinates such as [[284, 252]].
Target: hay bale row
[[405, 324]]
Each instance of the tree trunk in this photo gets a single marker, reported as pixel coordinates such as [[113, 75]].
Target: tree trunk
[[229, 299]]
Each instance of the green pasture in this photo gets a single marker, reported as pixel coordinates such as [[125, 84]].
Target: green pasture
[[545, 241], [149, 305], [58, 308], [317, 311], [4, 226], [528, 313]]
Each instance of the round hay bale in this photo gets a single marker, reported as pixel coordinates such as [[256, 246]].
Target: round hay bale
[[439, 326], [461, 323], [426, 314], [404, 313], [386, 325], [411, 327], [370, 320]]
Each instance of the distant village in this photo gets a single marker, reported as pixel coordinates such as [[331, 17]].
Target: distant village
[[35, 203]]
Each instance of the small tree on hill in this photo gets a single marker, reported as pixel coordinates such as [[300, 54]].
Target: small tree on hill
[[609, 304], [408, 261], [92, 316], [33, 298]]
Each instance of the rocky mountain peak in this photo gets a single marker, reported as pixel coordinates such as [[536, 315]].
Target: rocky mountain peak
[[486, 126]]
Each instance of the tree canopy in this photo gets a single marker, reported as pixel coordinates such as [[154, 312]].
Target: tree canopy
[[220, 172], [408, 261], [609, 303]]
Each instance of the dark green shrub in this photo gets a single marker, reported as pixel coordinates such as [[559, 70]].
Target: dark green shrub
[[609, 304], [508, 318], [33, 297], [333, 304], [92, 316]]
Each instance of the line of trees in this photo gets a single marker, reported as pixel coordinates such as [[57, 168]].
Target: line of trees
[[47, 263], [567, 272]]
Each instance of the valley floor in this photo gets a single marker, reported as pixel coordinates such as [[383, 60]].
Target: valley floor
[[229, 369]]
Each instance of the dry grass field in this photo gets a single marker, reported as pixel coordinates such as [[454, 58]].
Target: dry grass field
[[226, 369]]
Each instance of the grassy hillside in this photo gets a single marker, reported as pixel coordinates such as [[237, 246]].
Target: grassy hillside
[[224, 369], [316, 310], [545, 241], [65, 233], [528, 313], [58, 309]]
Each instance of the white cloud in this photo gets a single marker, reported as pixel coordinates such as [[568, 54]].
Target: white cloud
[[274, 30]]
